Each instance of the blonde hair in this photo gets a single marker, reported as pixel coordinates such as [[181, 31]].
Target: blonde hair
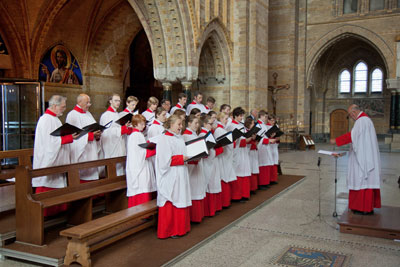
[[179, 112], [221, 115], [171, 120], [132, 98], [152, 101]]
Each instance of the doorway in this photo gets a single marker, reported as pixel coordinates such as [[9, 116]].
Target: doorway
[[339, 123]]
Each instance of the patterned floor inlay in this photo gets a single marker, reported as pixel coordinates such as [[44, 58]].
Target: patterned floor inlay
[[307, 257]]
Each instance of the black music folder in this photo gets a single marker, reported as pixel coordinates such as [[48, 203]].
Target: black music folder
[[237, 133], [274, 129], [150, 145], [225, 139], [260, 136], [255, 129], [124, 119], [66, 129]]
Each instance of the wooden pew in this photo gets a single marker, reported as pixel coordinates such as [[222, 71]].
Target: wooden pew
[[29, 206], [90, 236], [24, 159]]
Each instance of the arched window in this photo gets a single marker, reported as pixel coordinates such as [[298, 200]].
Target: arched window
[[376, 81], [350, 6], [344, 81], [360, 78]]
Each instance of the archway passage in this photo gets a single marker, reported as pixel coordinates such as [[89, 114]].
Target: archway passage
[[142, 82], [339, 123]]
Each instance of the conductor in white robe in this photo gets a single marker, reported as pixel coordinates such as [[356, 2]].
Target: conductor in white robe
[[113, 143], [364, 170], [51, 150], [88, 147]]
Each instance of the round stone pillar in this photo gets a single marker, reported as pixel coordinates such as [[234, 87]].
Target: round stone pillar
[[187, 87], [167, 91]]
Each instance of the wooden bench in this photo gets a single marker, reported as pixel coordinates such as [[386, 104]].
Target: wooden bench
[[24, 157], [90, 236], [30, 206]]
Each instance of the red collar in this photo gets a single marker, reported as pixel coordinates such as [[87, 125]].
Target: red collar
[[269, 124], [110, 109], [48, 111], [134, 130], [193, 103], [220, 126], [187, 131], [234, 122], [212, 131], [149, 110], [156, 122], [204, 131], [167, 133], [77, 108], [178, 105], [362, 115], [260, 122], [127, 110], [207, 107]]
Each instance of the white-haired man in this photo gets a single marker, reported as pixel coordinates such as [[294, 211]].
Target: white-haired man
[[86, 148], [364, 171], [51, 150]]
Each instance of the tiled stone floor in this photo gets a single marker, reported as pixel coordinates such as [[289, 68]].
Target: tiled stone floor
[[290, 219]]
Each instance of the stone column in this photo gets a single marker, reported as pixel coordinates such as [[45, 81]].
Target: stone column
[[187, 87], [167, 91], [394, 86]]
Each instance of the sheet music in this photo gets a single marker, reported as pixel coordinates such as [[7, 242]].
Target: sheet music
[[332, 153], [196, 148]]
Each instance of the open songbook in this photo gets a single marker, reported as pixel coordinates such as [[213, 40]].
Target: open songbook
[[259, 136], [124, 119], [66, 129], [272, 130], [196, 149], [332, 153], [255, 129]]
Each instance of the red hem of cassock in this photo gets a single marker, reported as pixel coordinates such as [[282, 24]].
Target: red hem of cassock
[[264, 176], [364, 200], [225, 194], [51, 210], [253, 182], [274, 173], [244, 183], [139, 199], [218, 200], [197, 210], [172, 221], [236, 189], [210, 204]]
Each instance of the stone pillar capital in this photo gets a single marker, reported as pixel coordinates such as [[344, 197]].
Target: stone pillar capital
[[187, 85], [393, 85], [167, 86]]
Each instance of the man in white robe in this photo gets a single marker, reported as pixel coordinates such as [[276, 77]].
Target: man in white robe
[[88, 147], [112, 141], [196, 103], [51, 151], [364, 171]]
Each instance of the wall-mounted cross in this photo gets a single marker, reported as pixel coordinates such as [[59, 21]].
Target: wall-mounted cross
[[275, 89]]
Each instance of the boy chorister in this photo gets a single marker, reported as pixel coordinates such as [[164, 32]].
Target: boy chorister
[[140, 177], [274, 152], [131, 103], [196, 175], [196, 103], [241, 187], [172, 176], [182, 98], [225, 161]]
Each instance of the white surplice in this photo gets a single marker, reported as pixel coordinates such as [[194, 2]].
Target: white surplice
[[82, 149], [196, 176], [226, 158], [177, 106], [193, 105], [112, 141], [48, 152], [364, 169], [265, 157], [140, 177]]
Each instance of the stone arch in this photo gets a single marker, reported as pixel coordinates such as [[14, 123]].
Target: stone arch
[[213, 59], [326, 41]]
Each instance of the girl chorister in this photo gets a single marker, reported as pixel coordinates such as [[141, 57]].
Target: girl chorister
[[196, 175], [157, 128], [225, 161], [212, 201], [173, 188], [140, 177], [253, 156]]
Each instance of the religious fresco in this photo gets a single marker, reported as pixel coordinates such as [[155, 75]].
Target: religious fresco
[[3, 48], [59, 65], [373, 107]]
